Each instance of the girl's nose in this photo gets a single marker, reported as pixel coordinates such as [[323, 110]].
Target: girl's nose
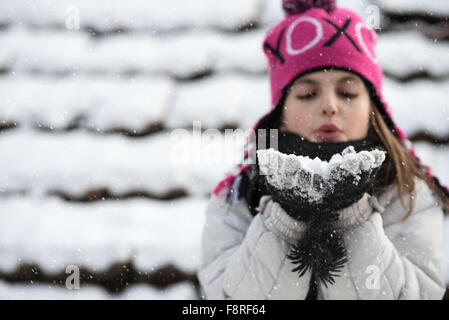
[[329, 111], [329, 106]]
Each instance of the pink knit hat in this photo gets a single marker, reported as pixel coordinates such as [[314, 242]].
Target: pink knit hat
[[317, 35], [316, 38]]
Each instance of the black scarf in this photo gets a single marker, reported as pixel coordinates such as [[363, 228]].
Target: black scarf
[[292, 143]]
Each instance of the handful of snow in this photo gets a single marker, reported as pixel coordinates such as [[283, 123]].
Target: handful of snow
[[314, 178]]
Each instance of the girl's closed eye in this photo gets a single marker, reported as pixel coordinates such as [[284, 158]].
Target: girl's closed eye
[[348, 95], [344, 94], [307, 96]]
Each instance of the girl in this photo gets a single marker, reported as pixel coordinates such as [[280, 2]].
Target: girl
[[364, 243]]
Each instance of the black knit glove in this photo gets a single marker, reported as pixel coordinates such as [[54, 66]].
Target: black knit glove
[[297, 206], [350, 181], [304, 194], [315, 199]]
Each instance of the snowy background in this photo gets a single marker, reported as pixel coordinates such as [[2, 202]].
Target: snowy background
[[88, 175]]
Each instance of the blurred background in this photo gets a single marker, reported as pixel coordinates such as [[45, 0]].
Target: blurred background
[[90, 93]]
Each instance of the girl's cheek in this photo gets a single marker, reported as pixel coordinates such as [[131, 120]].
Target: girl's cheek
[[298, 118], [356, 125], [293, 117], [306, 120], [304, 125], [301, 120]]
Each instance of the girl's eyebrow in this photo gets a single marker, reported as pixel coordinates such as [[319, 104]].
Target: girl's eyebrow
[[348, 78], [354, 79], [306, 80], [312, 81]]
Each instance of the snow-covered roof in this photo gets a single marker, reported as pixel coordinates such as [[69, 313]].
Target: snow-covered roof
[[145, 68]]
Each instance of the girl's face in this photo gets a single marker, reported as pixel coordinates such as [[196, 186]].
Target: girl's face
[[331, 105]]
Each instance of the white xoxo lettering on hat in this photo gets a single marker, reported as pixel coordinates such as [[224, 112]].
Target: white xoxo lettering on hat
[[319, 35]]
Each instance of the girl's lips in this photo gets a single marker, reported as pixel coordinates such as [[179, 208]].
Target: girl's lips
[[328, 131], [328, 135], [329, 127]]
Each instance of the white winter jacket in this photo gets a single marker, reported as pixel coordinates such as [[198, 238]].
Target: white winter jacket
[[244, 257]]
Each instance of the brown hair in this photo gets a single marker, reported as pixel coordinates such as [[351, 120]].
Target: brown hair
[[402, 164]]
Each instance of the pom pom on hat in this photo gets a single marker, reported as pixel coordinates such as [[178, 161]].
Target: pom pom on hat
[[292, 7]]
